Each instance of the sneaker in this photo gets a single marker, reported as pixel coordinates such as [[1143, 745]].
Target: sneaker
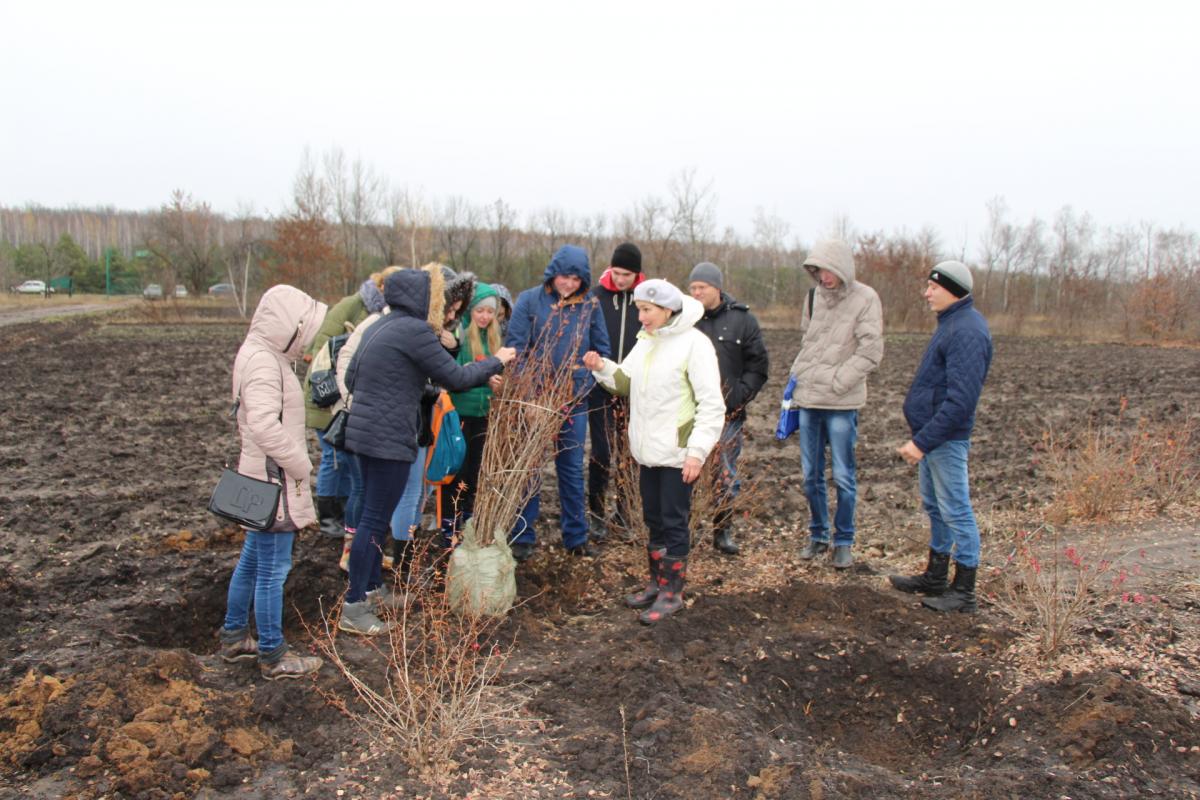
[[522, 551], [290, 666], [584, 550], [360, 619], [242, 649], [386, 599], [842, 559], [814, 549]]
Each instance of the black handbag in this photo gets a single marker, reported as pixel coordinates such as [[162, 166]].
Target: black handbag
[[250, 502], [335, 433], [324, 388]]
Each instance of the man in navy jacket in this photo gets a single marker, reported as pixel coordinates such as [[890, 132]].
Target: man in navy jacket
[[940, 411], [559, 314]]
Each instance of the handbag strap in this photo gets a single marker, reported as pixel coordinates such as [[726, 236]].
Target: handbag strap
[[376, 329]]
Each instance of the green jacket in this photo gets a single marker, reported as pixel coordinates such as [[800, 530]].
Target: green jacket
[[349, 309]]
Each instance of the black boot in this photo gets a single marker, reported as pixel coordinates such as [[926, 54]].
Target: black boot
[[961, 596], [646, 596], [931, 582], [597, 524], [672, 576], [327, 518], [723, 534]]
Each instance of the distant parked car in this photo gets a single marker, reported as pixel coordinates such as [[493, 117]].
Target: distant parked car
[[152, 292], [221, 290], [180, 290], [31, 287]]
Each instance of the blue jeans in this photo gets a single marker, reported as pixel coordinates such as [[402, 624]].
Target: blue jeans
[[332, 480], [946, 495], [407, 516], [839, 430], [568, 464], [383, 483], [258, 578], [349, 462], [729, 450]]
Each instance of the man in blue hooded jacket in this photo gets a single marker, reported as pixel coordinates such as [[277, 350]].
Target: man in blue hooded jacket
[[940, 411], [561, 315]]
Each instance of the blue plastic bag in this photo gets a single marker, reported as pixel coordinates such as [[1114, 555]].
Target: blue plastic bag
[[789, 418]]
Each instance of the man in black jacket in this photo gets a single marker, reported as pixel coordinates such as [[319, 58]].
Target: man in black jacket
[[742, 355], [608, 415]]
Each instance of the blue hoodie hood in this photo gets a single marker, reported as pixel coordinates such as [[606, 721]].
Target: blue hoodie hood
[[570, 260]]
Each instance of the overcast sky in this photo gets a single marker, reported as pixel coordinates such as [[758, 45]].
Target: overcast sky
[[894, 114]]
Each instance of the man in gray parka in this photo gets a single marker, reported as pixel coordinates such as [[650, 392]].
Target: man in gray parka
[[842, 324]]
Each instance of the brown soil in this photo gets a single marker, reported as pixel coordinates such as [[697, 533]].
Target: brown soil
[[780, 680]]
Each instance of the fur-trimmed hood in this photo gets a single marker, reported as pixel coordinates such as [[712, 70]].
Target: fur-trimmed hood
[[437, 295]]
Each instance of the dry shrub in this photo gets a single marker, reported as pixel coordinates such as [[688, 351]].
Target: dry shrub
[[1168, 456], [1091, 472], [533, 401], [1050, 587], [437, 691], [1100, 470], [709, 501]]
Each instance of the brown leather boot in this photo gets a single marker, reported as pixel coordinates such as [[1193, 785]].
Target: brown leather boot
[[290, 666]]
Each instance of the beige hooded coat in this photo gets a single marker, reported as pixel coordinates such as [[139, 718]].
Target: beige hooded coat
[[843, 340], [270, 414]]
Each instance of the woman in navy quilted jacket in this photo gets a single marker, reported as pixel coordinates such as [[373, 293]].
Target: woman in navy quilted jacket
[[396, 357]]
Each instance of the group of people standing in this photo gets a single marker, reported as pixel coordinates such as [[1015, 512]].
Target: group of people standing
[[671, 371]]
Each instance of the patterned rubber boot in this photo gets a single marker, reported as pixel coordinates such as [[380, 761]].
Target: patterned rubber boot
[[646, 596], [672, 576]]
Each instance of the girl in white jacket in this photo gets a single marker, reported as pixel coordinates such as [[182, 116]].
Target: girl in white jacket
[[676, 413]]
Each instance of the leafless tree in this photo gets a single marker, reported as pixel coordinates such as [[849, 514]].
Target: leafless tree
[[501, 221], [595, 237], [770, 233], [458, 232], [693, 213], [186, 241]]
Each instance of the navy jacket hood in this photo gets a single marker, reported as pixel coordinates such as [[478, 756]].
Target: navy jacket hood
[[407, 292]]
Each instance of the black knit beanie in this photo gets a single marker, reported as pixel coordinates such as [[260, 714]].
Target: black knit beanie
[[627, 256]]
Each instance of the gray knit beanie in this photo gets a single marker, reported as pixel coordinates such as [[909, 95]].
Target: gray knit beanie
[[953, 276], [707, 272]]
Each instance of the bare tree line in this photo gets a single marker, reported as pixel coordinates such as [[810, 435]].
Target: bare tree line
[[344, 220]]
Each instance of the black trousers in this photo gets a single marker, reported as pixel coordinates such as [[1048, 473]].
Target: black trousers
[[666, 507], [608, 415], [462, 492]]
